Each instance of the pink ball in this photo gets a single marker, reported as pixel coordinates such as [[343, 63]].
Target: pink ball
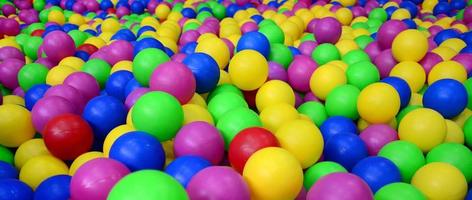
[[134, 96], [84, 83], [9, 69], [189, 36], [28, 16], [164, 79], [340, 185], [69, 93], [8, 10], [79, 7], [218, 182], [358, 11], [9, 27], [311, 25], [468, 15], [241, 2], [200, 139], [95, 179], [310, 97], [429, 61], [46, 62], [151, 6], [11, 52], [230, 46], [465, 59], [388, 31], [327, 30], [298, 100], [299, 72], [376, 136], [277, 72], [249, 27], [307, 47], [22, 4], [302, 194], [178, 57], [433, 30], [122, 11], [19, 92], [431, 44], [373, 50], [49, 107], [385, 62], [118, 51], [58, 45]]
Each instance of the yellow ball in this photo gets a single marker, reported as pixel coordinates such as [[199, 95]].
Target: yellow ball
[[409, 45], [447, 69], [248, 70], [193, 113], [378, 103], [445, 52], [39, 168], [344, 15], [326, 78], [28, 150], [424, 127], [275, 115], [57, 17], [428, 5], [291, 29], [454, 132], [216, 48], [76, 19], [400, 14], [57, 74], [114, 135], [198, 100], [454, 43], [274, 92], [122, 65], [461, 118], [162, 11], [303, 139], [13, 99], [169, 43], [345, 46], [72, 61], [82, 159], [16, 126], [412, 72], [227, 31], [273, 173], [346, 3], [439, 181], [110, 25], [150, 21], [95, 41]]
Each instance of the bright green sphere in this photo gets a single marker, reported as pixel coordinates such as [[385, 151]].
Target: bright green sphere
[[235, 121], [280, 54], [6, 155], [406, 156], [325, 53], [99, 69], [319, 170], [32, 74], [362, 74], [31, 47], [342, 101], [455, 154], [397, 191], [221, 103], [355, 56], [146, 62], [315, 111], [273, 33], [224, 88]]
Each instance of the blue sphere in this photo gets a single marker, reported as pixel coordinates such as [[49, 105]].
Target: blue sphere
[[103, 113], [442, 8], [377, 172], [54, 188], [458, 4], [106, 4], [116, 84], [205, 70], [189, 13], [123, 4], [91, 32], [138, 150], [124, 34], [390, 11], [13, 189], [467, 49], [232, 9], [469, 195], [69, 27], [446, 96], [189, 48], [144, 29], [445, 34], [416, 1], [273, 4], [69, 4], [137, 7], [402, 87], [7, 171], [467, 38], [336, 125], [257, 18], [345, 149], [82, 55], [410, 23], [147, 43], [254, 41], [34, 94], [411, 7], [185, 167], [132, 85], [168, 51], [294, 51]]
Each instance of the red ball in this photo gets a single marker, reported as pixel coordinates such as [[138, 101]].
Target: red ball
[[247, 142], [89, 48], [68, 136], [38, 33], [250, 97]]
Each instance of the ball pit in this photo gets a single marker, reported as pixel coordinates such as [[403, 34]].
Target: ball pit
[[244, 99]]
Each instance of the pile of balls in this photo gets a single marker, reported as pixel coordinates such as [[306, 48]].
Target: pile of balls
[[235, 99]]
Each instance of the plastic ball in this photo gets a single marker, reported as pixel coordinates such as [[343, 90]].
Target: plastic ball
[[205, 71], [16, 125], [85, 83], [377, 172], [116, 83], [447, 69], [388, 31], [223, 102], [82, 159], [299, 72], [281, 54], [254, 41], [315, 111], [58, 45], [346, 149], [342, 101], [235, 121], [163, 79], [325, 79], [319, 170], [248, 70], [274, 92], [412, 73], [340, 185], [275, 115], [32, 74], [399, 190], [325, 53], [337, 125], [377, 136], [409, 45], [405, 155], [193, 113], [402, 87], [362, 74], [446, 96], [217, 49], [9, 69], [39, 168], [55, 187], [69, 93], [145, 62], [7, 171], [13, 189], [378, 103], [185, 167], [327, 30], [455, 154]]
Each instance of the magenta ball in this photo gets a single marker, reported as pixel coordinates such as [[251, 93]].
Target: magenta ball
[[230, 46], [298, 100], [311, 25], [95, 179], [46, 62], [9, 69], [8, 10], [58, 45], [19, 92], [164, 79], [178, 57], [385, 62], [122, 11], [200, 139], [151, 6], [340, 185], [376, 136], [249, 27], [302, 194], [80, 8], [465, 59], [309, 96], [11, 52], [189, 36], [431, 44], [118, 51], [69, 93], [388, 31], [429, 61], [28, 16], [373, 50], [307, 47], [9, 27], [134, 96], [49, 107], [218, 182], [277, 72], [327, 30], [358, 11], [299, 72], [85, 83], [433, 30], [468, 15]]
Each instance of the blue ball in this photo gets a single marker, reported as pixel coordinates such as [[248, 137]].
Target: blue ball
[[411, 7], [124, 34], [132, 85], [189, 13], [446, 96], [446, 34], [69, 27], [458, 4], [106, 4], [232, 9], [255, 41], [147, 43], [381, 2], [467, 38], [390, 11], [116, 84], [34, 94], [345, 149], [189, 48], [123, 4], [336, 125], [138, 150], [82, 55], [294, 51], [185, 167], [467, 49], [410, 23], [168, 51], [137, 7], [7, 171], [442, 8], [469, 195], [273, 4], [13, 189], [54, 188], [402, 87], [416, 1], [205, 70], [104, 113], [257, 18], [377, 172], [69, 4], [51, 28], [91, 32], [144, 29]]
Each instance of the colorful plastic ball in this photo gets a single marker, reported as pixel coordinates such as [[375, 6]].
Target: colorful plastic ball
[[254, 41], [95, 179], [15, 125], [32, 74], [337, 125], [99, 69], [132, 85], [9, 69], [299, 72], [455, 154], [28, 150], [8, 171], [223, 102], [325, 53], [377, 172], [85, 83], [39, 168], [54, 188], [274, 92], [378, 103], [103, 113], [82, 159], [340, 185], [362, 74], [6, 155], [342, 101], [146, 43], [163, 79], [189, 48], [377, 136], [327, 30], [399, 191], [402, 87], [385, 62], [346, 149], [388, 31], [43, 111], [319, 170], [405, 155], [409, 45], [194, 113], [273, 116], [447, 69], [235, 121], [69, 93], [325, 79], [412, 72], [248, 70], [58, 45], [145, 62], [217, 49], [116, 83], [446, 96], [315, 111], [185, 167], [205, 71], [440, 181], [13, 189], [281, 54], [218, 182]]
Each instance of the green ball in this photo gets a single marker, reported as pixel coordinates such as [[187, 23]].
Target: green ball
[[32, 74], [319, 170], [325, 53], [378, 14], [6, 155], [219, 11], [281, 54], [99, 69], [363, 40], [148, 185], [355, 56], [224, 88], [31, 47], [203, 15], [372, 23], [360, 25], [468, 87], [178, 7], [342, 101], [39, 5], [35, 26], [455, 154], [405, 111], [406, 156], [266, 22], [273, 33], [399, 191], [235, 121], [468, 132], [315, 111], [78, 36], [308, 37], [223, 102], [201, 6], [191, 26], [67, 14], [361, 74], [159, 114], [22, 39], [146, 62], [460, 15], [43, 15]]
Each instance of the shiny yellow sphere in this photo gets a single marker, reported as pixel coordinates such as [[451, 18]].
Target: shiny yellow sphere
[[82, 159], [454, 132], [248, 70], [275, 115], [412, 72], [57, 17], [409, 45], [224, 78], [39, 168], [16, 126], [216, 48], [454, 43], [28, 150], [326, 78], [274, 92], [110, 25], [447, 69], [194, 112], [57, 74], [444, 52], [400, 14], [122, 65], [76, 19], [95, 41], [13, 99], [344, 15], [72, 61], [378, 103], [345, 46], [197, 99]]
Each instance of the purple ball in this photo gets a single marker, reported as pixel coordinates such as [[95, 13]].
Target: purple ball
[[298, 100], [23, 4], [465, 59], [200, 139], [118, 51], [188, 36], [151, 6], [327, 30], [433, 30], [385, 62], [122, 11], [358, 11], [388, 31], [277, 72], [11, 52], [80, 8], [431, 44], [134, 96], [373, 50], [49, 107], [249, 27], [19, 92], [468, 15], [376, 136], [429, 61], [302, 194], [69, 93], [85, 83], [9, 69], [230, 46], [309, 96], [8, 10], [218, 182], [307, 47], [178, 57], [340, 185], [311, 25], [58, 45], [9, 27], [46, 62], [299, 72], [164, 79], [28, 16]]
